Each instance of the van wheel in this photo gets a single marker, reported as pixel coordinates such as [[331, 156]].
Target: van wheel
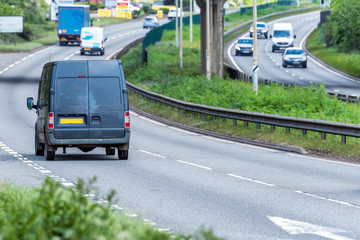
[[82, 53], [110, 151], [39, 148], [102, 53], [123, 154], [49, 155]]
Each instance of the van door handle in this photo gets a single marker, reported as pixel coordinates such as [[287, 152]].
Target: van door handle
[[95, 119]]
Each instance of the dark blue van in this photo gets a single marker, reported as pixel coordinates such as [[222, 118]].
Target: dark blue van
[[82, 104]]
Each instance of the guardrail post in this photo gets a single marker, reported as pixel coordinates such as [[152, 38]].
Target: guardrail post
[[214, 118], [246, 123], [304, 132], [224, 119], [343, 139], [272, 128], [234, 122], [323, 136], [201, 116], [258, 126], [288, 129], [172, 107]]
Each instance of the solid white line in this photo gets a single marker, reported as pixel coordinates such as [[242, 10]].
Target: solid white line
[[218, 139], [68, 184], [251, 180], [323, 160], [256, 147], [152, 121], [153, 154], [195, 165], [181, 130], [328, 199]]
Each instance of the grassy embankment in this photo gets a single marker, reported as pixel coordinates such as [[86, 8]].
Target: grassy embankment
[[345, 62], [53, 212], [162, 75]]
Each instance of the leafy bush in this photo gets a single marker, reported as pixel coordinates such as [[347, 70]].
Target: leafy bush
[[165, 10], [146, 9], [96, 6], [342, 29], [51, 212]]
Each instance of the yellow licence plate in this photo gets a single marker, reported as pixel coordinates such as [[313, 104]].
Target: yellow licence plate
[[87, 49], [71, 121]]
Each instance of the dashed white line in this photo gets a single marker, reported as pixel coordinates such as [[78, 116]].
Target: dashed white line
[[193, 164], [153, 154], [251, 180], [329, 199]]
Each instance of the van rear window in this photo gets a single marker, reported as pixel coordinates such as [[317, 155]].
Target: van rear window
[[104, 91], [71, 69], [71, 91], [104, 69]]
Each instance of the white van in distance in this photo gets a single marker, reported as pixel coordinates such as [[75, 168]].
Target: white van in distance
[[92, 40], [282, 36]]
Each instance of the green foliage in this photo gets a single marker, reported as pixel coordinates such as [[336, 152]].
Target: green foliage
[[165, 10], [346, 62], [96, 6], [53, 212], [343, 28], [146, 9], [163, 75]]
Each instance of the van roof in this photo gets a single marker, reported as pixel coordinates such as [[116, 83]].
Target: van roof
[[283, 26]]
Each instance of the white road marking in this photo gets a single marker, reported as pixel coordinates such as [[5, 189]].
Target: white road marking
[[153, 154], [297, 227], [195, 165], [256, 147], [152, 121], [323, 160], [329, 199], [217, 139], [251, 180], [181, 130]]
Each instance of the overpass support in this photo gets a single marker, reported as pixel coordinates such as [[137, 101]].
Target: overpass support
[[216, 36]]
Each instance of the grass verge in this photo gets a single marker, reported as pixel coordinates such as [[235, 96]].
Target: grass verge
[[54, 212], [345, 62], [162, 75]]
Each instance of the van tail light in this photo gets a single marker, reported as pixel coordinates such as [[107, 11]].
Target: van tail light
[[127, 120], [51, 120], [80, 42], [102, 44]]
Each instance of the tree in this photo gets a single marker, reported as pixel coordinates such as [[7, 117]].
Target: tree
[[343, 28]]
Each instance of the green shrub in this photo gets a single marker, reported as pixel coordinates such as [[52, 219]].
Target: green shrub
[[165, 10], [146, 9], [96, 6]]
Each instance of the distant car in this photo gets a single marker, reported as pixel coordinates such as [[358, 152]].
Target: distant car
[[262, 29], [244, 46], [132, 8], [151, 22], [294, 57]]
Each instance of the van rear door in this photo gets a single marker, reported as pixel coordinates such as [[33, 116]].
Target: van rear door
[[71, 101], [106, 105]]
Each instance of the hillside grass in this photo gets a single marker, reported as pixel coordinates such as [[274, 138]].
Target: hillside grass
[[345, 62]]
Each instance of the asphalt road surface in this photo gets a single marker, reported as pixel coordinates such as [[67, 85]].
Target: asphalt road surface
[[179, 180]]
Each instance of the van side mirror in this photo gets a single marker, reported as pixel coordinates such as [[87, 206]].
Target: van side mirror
[[30, 103], [105, 39], [270, 36], [294, 35]]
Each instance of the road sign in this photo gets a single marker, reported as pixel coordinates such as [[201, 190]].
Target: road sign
[[11, 24], [255, 68], [121, 4], [54, 7]]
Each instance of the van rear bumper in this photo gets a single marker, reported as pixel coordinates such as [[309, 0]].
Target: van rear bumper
[[92, 50], [99, 142]]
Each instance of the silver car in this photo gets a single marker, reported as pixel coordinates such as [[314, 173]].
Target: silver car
[[294, 57], [244, 46], [262, 29]]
